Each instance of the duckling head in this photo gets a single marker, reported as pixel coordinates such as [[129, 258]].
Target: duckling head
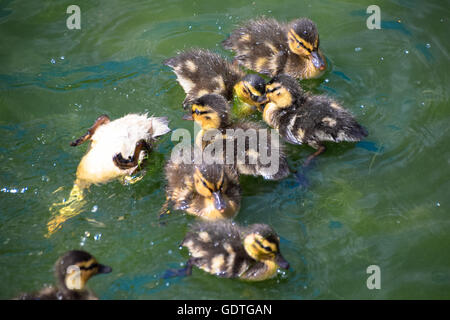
[[262, 243], [303, 40], [284, 91], [251, 90], [211, 182], [76, 267], [210, 111]]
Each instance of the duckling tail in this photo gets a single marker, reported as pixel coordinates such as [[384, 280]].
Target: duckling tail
[[160, 126], [71, 208]]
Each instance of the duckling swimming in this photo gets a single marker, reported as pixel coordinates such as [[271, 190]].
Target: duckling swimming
[[228, 250], [131, 135], [259, 155], [118, 150], [305, 119], [209, 191], [72, 271], [271, 48], [201, 72]]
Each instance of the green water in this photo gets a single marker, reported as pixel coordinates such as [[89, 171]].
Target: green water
[[380, 202]]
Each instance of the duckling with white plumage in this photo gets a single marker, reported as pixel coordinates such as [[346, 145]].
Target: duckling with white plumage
[[118, 150]]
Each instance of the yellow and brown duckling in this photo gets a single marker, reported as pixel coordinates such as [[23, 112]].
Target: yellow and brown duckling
[[228, 250], [271, 48], [72, 271], [209, 191], [211, 112], [201, 72], [118, 150], [306, 119]]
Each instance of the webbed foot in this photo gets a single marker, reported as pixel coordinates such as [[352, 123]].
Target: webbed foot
[[103, 119]]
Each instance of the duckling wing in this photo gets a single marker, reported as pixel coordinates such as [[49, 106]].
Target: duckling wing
[[216, 247], [260, 45], [322, 119], [201, 72]]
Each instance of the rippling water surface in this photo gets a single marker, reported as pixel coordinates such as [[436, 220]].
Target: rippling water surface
[[384, 201]]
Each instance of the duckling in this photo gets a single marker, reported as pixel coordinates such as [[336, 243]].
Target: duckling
[[201, 71], [271, 48], [72, 271], [305, 119], [209, 191], [118, 150], [258, 155], [228, 250], [131, 135]]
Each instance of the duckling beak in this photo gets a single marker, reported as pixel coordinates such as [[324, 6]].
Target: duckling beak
[[262, 99], [219, 202], [188, 117], [317, 60], [281, 261], [104, 269]]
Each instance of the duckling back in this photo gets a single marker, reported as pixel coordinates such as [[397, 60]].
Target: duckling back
[[260, 45], [217, 248], [320, 119], [200, 72], [118, 136]]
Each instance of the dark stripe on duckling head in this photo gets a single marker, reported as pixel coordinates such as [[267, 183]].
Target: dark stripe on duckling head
[[306, 30], [300, 42], [267, 248]]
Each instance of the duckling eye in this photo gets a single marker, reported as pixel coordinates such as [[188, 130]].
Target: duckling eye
[[197, 112]]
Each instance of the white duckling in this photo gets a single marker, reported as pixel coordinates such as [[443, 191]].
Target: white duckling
[[118, 150]]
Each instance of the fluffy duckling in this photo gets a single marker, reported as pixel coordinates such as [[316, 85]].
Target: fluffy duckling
[[118, 150], [271, 48], [212, 111], [72, 271], [209, 191], [201, 71], [304, 119], [228, 250], [130, 136]]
